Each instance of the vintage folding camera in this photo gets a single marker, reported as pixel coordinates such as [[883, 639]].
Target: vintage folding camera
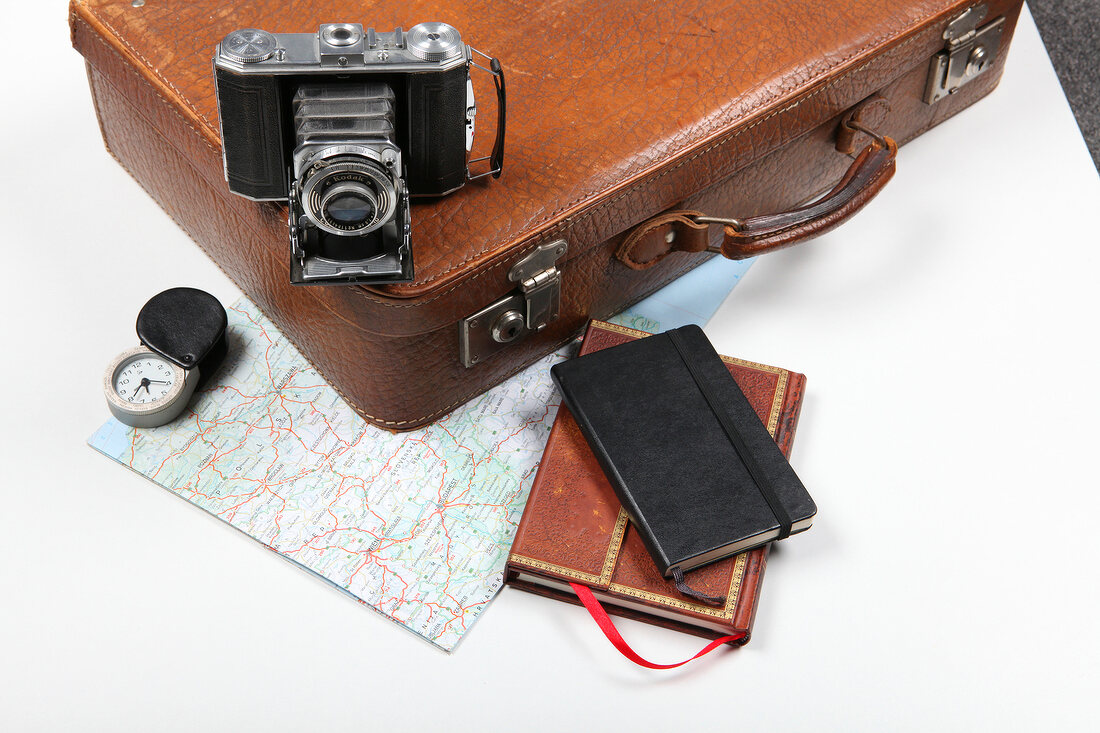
[[345, 125]]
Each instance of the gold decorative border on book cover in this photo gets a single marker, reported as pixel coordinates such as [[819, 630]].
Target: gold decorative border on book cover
[[726, 612], [780, 387], [616, 328], [615, 543]]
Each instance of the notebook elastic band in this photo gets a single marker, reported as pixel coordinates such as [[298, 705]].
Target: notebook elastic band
[[687, 590], [759, 476]]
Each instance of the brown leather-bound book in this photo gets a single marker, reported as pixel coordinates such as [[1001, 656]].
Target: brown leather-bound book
[[575, 531]]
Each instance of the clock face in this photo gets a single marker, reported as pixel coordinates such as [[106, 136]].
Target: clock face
[[144, 378], [144, 389]]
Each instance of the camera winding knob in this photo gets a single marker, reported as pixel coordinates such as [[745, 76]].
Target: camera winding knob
[[434, 41], [248, 46]]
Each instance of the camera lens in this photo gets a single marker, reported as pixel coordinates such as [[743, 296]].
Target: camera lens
[[349, 196], [351, 205]]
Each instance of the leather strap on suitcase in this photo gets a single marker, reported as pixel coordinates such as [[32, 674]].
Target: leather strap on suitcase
[[689, 231]]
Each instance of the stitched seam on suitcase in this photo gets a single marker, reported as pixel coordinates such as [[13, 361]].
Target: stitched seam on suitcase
[[644, 181], [144, 60], [98, 109], [137, 75]]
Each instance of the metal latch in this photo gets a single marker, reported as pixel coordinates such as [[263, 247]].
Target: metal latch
[[514, 316], [969, 51]]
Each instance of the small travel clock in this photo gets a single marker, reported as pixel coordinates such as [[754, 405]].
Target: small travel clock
[[145, 390], [182, 332]]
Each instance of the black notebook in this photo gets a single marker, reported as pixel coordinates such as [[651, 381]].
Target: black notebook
[[691, 462]]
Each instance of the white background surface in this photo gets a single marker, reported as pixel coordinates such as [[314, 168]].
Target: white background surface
[[948, 436]]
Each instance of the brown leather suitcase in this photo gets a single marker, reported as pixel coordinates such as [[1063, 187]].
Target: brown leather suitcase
[[641, 138]]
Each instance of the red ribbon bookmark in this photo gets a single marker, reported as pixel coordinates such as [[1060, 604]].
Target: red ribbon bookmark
[[612, 634]]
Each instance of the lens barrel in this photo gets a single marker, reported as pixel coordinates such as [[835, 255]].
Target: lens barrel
[[349, 196]]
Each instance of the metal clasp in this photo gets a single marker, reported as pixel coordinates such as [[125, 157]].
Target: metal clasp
[[880, 139], [969, 50], [518, 314], [734, 224]]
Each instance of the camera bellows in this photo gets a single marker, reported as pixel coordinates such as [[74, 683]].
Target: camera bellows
[[344, 113]]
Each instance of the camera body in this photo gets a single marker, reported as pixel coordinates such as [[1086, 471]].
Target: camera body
[[345, 125]]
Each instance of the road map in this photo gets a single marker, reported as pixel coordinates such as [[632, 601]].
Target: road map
[[416, 525]]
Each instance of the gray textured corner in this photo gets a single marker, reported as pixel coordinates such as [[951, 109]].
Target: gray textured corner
[[1071, 33]]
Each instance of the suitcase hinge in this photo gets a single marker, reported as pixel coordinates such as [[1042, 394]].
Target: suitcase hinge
[[520, 313], [969, 50]]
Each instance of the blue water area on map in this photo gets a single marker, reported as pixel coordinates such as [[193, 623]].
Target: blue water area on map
[[692, 298], [113, 438]]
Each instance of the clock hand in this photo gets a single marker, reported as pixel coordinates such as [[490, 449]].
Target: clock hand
[[155, 381], [144, 383]]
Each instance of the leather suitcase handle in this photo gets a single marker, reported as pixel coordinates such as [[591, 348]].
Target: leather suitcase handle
[[688, 231]]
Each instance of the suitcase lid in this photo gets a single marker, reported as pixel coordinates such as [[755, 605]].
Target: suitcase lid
[[616, 110]]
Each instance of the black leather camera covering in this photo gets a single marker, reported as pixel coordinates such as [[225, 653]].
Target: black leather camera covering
[[252, 125], [187, 327], [435, 133]]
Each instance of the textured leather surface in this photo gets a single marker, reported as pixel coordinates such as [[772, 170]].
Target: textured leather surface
[[568, 526], [721, 483], [659, 116]]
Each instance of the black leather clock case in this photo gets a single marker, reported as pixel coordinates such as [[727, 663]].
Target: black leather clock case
[[187, 327]]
